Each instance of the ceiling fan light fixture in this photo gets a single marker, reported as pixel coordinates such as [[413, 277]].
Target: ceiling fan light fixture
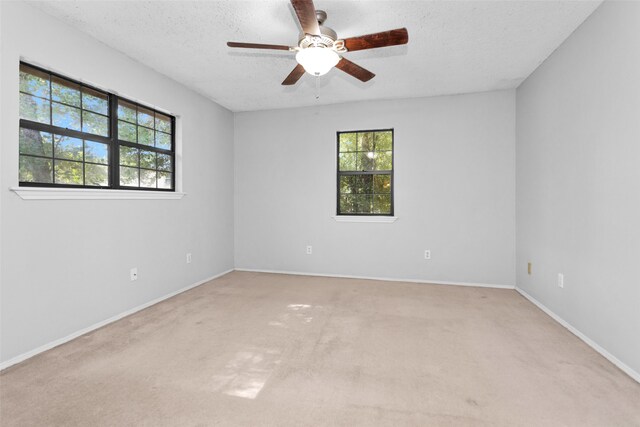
[[317, 61], [319, 47]]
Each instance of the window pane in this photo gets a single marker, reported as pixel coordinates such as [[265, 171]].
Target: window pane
[[95, 123], [66, 117], [382, 203], [34, 81], [95, 101], [126, 111], [347, 142], [145, 136], [365, 161], [347, 161], [35, 109], [35, 169], [384, 141], [363, 203], [96, 175], [68, 172], [164, 162], [163, 123], [147, 178], [382, 183], [65, 92], [145, 117], [347, 184], [164, 180], [147, 159], [35, 142], [129, 176], [163, 140], [347, 203], [365, 141], [364, 184], [126, 131], [66, 147], [129, 156], [96, 152], [383, 161]]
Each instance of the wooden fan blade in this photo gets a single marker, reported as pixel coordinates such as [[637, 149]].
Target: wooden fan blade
[[372, 41], [258, 46], [306, 13], [294, 76], [355, 70]]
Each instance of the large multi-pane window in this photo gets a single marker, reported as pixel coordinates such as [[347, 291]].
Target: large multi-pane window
[[365, 172], [73, 135]]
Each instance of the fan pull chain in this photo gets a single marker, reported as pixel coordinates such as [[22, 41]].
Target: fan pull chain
[[317, 88]]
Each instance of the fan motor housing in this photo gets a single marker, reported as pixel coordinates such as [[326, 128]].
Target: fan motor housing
[[326, 38]]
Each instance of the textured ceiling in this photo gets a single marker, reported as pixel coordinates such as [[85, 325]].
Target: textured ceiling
[[454, 46]]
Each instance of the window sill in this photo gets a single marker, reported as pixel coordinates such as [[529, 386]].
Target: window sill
[[33, 193], [364, 218]]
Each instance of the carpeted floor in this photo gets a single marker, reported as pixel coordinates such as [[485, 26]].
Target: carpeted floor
[[252, 349]]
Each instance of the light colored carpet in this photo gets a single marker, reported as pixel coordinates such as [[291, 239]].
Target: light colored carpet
[[253, 349]]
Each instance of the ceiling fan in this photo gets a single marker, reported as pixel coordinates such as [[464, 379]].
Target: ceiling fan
[[319, 48]]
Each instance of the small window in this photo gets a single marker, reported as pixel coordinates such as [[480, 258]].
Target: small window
[[365, 173], [73, 135]]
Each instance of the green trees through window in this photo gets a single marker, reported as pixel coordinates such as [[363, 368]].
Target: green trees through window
[[140, 129], [365, 172], [73, 135]]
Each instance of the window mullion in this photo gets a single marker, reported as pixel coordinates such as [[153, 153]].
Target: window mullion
[[114, 153], [27, 124]]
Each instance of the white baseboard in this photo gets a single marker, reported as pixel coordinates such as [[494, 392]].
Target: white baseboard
[[610, 357], [386, 279], [49, 346]]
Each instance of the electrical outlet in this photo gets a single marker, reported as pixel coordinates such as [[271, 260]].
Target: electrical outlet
[[188, 258], [134, 274], [560, 280], [427, 254], [309, 250], [529, 268]]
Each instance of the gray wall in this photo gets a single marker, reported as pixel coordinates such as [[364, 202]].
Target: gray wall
[[578, 180], [454, 190], [65, 264]]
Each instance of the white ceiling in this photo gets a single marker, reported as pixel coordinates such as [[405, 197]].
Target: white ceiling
[[454, 46]]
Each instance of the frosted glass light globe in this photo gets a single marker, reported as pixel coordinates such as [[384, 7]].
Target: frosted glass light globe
[[317, 61]]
